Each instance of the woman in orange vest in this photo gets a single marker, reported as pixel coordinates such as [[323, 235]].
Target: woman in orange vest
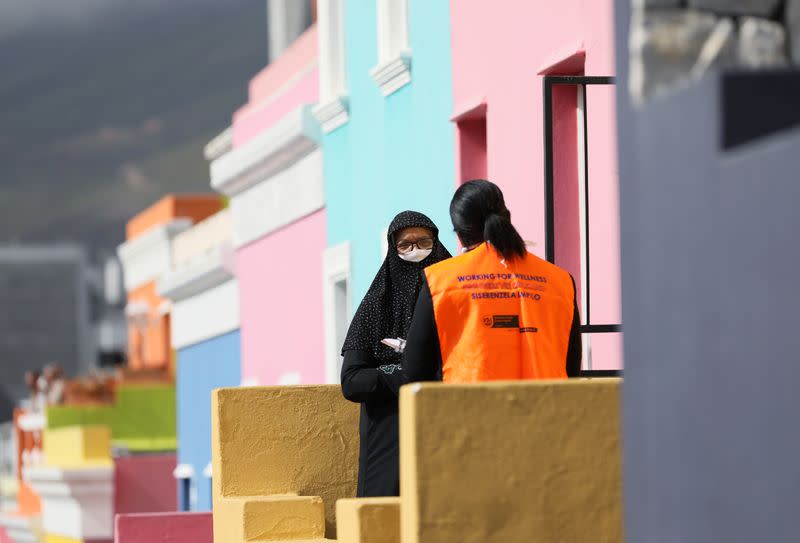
[[496, 311]]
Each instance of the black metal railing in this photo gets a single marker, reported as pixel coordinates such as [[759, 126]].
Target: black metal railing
[[549, 192]]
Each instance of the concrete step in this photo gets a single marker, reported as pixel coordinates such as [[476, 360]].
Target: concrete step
[[270, 518], [368, 520]]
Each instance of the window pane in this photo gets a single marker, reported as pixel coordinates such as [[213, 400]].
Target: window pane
[[603, 173]]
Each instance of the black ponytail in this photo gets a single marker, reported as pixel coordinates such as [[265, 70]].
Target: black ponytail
[[479, 213]]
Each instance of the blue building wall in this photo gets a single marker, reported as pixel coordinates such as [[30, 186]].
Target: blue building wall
[[201, 368], [395, 152]]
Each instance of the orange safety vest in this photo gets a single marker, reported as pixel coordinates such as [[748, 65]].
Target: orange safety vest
[[501, 320]]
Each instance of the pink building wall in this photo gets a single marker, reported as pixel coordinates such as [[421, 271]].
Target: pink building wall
[[290, 80], [164, 527], [498, 54], [280, 275], [145, 484]]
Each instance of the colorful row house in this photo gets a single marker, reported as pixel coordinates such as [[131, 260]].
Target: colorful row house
[[367, 109], [81, 463], [204, 294]]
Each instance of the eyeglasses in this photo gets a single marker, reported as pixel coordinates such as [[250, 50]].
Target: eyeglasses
[[407, 246]]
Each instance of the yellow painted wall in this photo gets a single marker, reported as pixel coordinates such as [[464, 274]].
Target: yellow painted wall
[[523, 462], [51, 538], [299, 440], [77, 446]]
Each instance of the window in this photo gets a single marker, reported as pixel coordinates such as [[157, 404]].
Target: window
[[394, 57], [336, 285], [187, 494], [471, 140], [332, 109], [472, 150], [569, 224]]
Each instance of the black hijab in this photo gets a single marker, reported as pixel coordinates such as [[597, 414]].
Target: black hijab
[[388, 305]]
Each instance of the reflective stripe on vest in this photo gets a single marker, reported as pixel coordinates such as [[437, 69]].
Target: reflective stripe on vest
[[501, 320]]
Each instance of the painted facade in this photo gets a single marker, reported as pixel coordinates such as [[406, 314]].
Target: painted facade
[[202, 367], [204, 294], [146, 256], [499, 58], [390, 147], [273, 176], [74, 478]]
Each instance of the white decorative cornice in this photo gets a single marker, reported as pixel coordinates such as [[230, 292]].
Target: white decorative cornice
[[18, 527], [219, 145], [77, 503], [393, 74], [31, 422], [148, 256], [283, 144], [284, 198], [210, 313], [201, 238], [333, 114], [203, 273]]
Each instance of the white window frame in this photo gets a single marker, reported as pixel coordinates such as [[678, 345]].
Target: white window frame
[[586, 363], [393, 71], [335, 268], [384, 243], [332, 110]]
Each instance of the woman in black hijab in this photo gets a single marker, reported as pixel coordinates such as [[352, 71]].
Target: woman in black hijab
[[371, 372]]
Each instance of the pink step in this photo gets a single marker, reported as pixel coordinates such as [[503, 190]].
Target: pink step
[[173, 527]]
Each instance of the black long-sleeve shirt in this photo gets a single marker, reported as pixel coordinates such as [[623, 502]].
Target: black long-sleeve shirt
[[376, 389], [422, 359]]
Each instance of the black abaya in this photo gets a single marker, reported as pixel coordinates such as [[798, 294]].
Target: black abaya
[[372, 372]]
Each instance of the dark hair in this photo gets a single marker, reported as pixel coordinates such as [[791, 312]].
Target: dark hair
[[479, 213]]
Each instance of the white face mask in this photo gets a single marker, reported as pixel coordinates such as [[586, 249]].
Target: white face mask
[[417, 255]]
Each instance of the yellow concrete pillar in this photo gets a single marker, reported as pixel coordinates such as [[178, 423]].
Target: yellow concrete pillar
[[268, 441], [77, 446], [520, 462]]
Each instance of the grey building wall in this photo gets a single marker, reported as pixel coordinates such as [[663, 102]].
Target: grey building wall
[[710, 297], [44, 315]]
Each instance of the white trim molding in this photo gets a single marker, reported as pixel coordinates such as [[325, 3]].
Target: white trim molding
[[201, 238], [287, 196], [284, 143], [209, 314], [394, 56], [332, 114], [149, 256], [76, 503], [204, 273], [286, 21], [219, 145], [332, 111], [384, 243], [394, 74], [335, 270], [183, 471], [31, 422], [19, 528]]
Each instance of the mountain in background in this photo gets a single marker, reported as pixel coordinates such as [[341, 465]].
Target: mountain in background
[[105, 110]]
